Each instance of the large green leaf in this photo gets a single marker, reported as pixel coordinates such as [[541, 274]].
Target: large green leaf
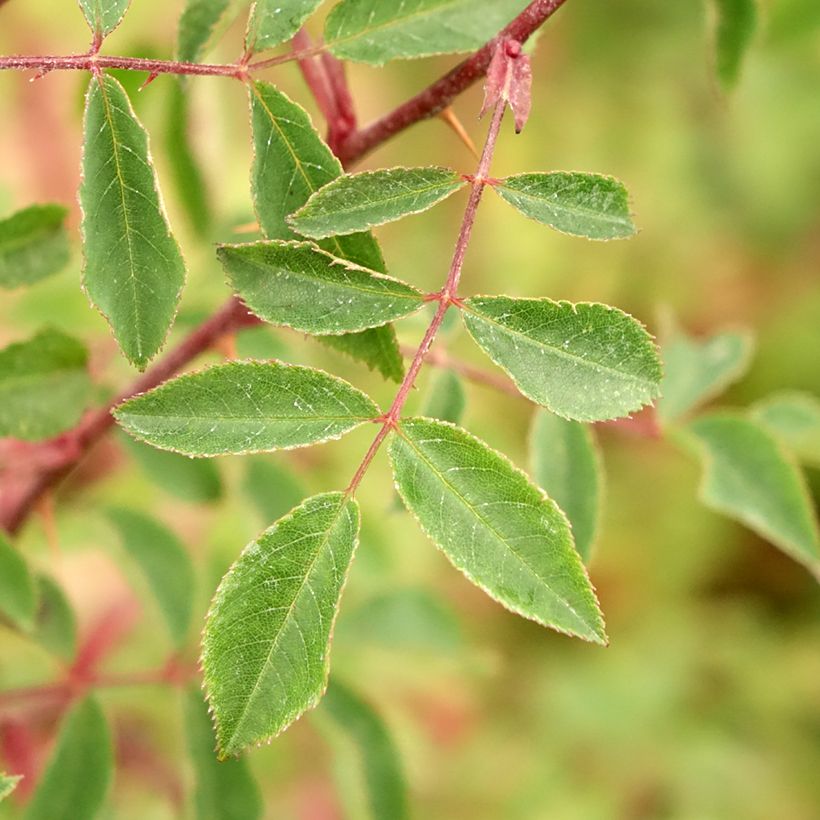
[[18, 597], [266, 643], [274, 21], [495, 526], [200, 23], [165, 564], [33, 245], [567, 465], [735, 28], [794, 419], [358, 202], [8, 783], [586, 361], [696, 371], [749, 478], [134, 271], [588, 205], [378, 348], [223, 790], [56, 624], [78, 774], [44, 386], [103, 16], [375, 31]]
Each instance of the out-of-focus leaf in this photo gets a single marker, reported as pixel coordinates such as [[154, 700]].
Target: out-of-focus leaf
[[274, 21], [266, 642], [378, 348], [735, 28], [495, 526], [200, 24], [103, 16], [794, 419], [446, 398], [18, 597], [33, 245], [56, 625], [8, 783], [273, 489], [260, 342], [44, 386]]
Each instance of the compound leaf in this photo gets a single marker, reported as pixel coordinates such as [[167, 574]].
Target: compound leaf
[[134, 271], [8, 783], [794, 419], [588, 205], [18, 596], [586, 361], [357, 202], [266, 642], [735, 28], [200, 23], [33, 245], [103, 16], [245, 407], [56, 624], [495, 526], [274, 21]]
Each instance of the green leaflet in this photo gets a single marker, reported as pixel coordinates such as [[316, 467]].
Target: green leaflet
[[358, 202], [301, 286], [8, 783], [735, 27], [378, 348], [223, 790], [265, 650], [446, 398], [18, 597], [103, 16], [588, 205], [585, 361], [365, 756], [696, 371], [495, 526], [33, 245], [794, 419], [165, 564], [245, 407], [200, 24], [44, 386], [56, 625], [134, 271], [566, 463], [274, 21], [272, 488], [375, 31], [749, 478], [78, 774]]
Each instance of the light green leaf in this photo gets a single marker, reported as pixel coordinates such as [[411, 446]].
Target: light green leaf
[[794, 419], [378, 348], [165, 564], [696, 371], [134, 271], [18, 597], [200, 24], [78, 774], [358, 202], [446, 398], [586, 361], [8, 783], [566, 463], [223, 790], [265, 651], [33, 245], [588, 205], [44, 386], [495, 526], [749, 478], [735, 27], [56, 625], [274, 21], [301, 286], [375, 31], [366, 756], [245, 407], [103, 16], [273, 489]]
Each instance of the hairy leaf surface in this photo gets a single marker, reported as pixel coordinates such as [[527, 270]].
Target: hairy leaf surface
[[586, 361], [588, 205], [246, 407], [33, 245], [56, 625], [794, 419], [274, 21], [134, 271], [103, 16], [266, 643], [495, 526], [735, 28], [18, 596]]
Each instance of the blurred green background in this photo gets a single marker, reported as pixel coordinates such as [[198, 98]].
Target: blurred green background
[[707, 702]]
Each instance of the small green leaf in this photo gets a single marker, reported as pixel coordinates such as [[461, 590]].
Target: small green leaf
[[378, 348], [794, 419], [265, 651], [696, 371], [358, 202], [274, 21], [200, 23], [588, 205], [566, 463], [56, 625], [749, 478], [273, 489], [446, 398], [165, 564], [134, 271], [44, 386], [735, 28], [223, 790], [33, 245], [79, 772], [8, 783], [375, 31], [18, 597], [103, 16], [301, 286], [246, 407], [586, 361], [495, 526]]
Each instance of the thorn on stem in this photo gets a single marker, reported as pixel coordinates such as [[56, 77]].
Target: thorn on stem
[[449, 117], [148, 80]]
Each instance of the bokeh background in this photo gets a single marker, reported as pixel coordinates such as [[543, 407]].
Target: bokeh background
[[706, 705]]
